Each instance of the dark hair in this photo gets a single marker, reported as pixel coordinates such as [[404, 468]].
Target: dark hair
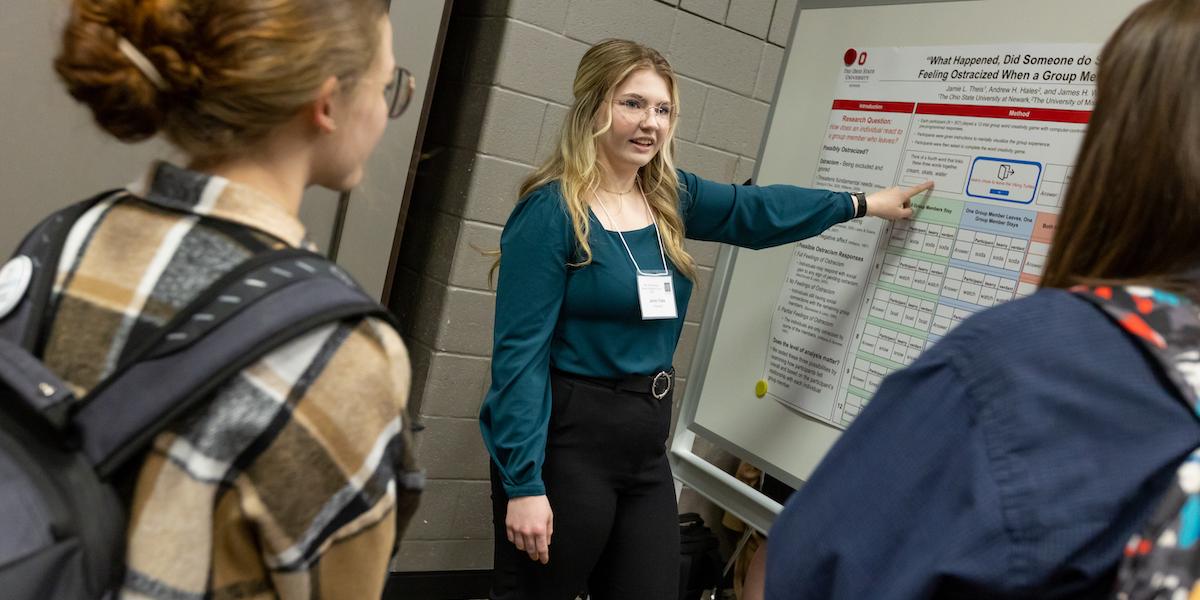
[[1132, 212], [233, 69]]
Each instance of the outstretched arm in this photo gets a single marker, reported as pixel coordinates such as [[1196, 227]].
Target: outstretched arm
[[756, 217]]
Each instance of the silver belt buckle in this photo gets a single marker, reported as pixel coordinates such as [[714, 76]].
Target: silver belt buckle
[[661, 376]]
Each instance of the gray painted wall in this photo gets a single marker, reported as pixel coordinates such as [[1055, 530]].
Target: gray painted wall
[[51, 153], [501, 97]]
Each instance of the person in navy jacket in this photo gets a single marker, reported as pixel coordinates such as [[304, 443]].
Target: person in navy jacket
[[1016, 457]]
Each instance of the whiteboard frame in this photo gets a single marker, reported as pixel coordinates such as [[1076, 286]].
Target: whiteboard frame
[[750, 505], [690, 469]]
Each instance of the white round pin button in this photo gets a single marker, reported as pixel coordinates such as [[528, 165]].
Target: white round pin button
[[14, 282]]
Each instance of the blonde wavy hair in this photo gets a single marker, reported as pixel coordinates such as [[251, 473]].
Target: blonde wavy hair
[[575, 164]]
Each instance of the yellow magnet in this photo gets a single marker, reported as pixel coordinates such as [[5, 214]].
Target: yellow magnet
[[760, 388]]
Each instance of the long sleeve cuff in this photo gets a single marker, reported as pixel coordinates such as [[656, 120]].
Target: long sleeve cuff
[[525, 489]]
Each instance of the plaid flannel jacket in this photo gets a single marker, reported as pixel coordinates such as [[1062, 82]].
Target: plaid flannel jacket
[[284, 484]]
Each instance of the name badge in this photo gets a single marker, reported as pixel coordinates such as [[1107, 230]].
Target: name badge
[[656, 292]]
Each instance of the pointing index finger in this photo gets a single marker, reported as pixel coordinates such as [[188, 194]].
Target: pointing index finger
[[917, 189]]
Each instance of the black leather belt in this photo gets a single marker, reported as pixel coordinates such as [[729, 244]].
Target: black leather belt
[[657, 385]]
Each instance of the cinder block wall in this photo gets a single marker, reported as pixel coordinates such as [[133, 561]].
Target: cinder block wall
[[502, 94]]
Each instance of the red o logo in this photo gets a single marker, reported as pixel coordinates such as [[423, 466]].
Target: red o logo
[[850, 56], [862, 58]]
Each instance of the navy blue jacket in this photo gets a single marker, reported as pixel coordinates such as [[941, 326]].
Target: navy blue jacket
[[1014, 459]]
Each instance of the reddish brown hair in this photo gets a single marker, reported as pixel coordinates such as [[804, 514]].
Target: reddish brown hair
[[234, 69], [1132, 213]]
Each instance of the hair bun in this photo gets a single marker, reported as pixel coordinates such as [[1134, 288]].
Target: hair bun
[[230, 72], [124, 98]]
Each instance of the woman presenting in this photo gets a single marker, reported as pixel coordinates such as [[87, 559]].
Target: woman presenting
[[593, 283]]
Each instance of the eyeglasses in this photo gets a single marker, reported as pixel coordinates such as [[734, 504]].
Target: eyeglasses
[[634, 109], [399, 93]]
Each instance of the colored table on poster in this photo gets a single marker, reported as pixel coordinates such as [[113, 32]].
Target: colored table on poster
[[996, 130]]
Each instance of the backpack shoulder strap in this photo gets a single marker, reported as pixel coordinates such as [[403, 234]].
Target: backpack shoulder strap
[[262, 304], [37, 393], [43, 247], [1167, 326]]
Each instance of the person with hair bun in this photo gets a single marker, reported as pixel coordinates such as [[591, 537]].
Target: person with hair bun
[[288, 482], [593, 283]]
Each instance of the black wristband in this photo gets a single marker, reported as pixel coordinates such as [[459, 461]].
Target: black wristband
[[860, 204]]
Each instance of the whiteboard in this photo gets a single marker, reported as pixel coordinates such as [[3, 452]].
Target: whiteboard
[[720, 403]]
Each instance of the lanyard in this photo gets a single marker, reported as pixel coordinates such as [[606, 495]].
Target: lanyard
[[662, 253]]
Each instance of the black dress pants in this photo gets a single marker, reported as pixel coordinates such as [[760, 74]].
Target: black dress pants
[[616, 533]]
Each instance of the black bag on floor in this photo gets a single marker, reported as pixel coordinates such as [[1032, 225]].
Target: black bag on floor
[[62, 523], [699, 559]]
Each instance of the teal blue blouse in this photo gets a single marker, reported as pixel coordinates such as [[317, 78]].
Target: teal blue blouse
[[588, 320]]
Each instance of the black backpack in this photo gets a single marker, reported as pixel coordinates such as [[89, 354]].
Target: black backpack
[[699, 557], [62, 520]]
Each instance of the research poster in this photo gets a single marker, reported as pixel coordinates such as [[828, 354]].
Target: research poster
[[996, 128]]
